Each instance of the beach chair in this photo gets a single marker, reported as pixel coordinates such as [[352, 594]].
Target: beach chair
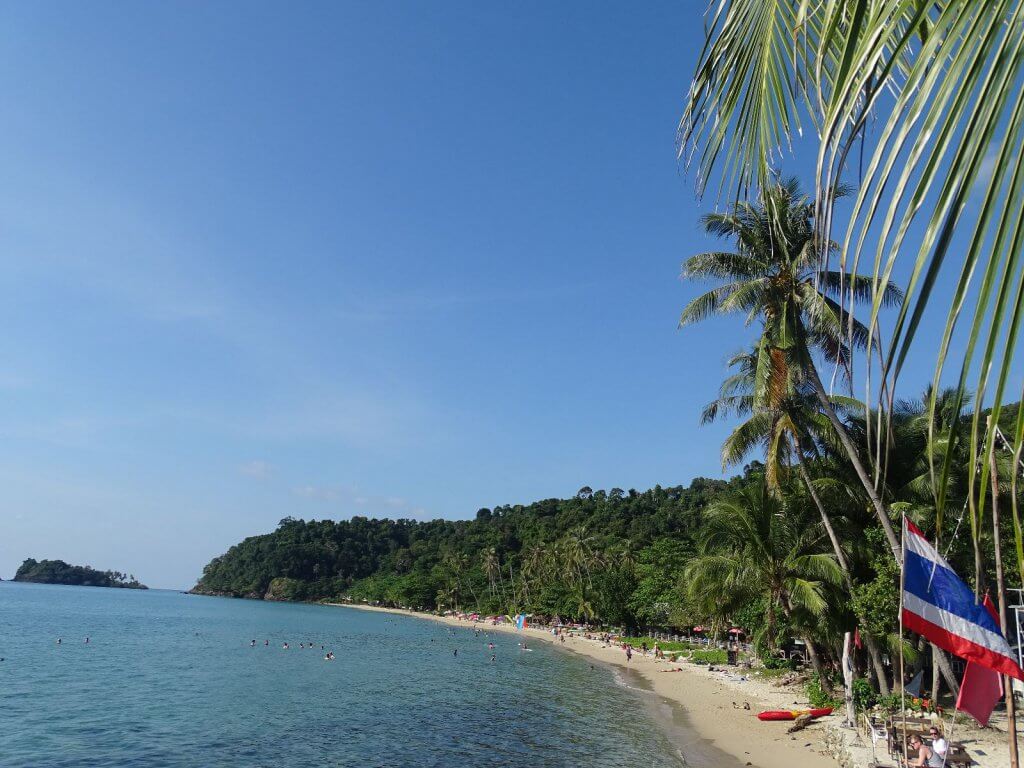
[[876, 731]]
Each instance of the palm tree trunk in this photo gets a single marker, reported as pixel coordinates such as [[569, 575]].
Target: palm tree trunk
[[812, 654], [869, 642], [826, 684], [858, 466], [946, 670]]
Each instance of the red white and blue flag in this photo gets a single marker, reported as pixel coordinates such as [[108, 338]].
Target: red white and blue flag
[[938, 605]]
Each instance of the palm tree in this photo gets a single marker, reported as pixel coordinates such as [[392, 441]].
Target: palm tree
[[492, 567], [751, 548], [775, 276], [788, 430], [939, 84]]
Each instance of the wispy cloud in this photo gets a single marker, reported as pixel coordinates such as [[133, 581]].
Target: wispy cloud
[[347, 498], [256, 468]]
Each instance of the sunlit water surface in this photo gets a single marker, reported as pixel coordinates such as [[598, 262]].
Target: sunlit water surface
[[171, 680]]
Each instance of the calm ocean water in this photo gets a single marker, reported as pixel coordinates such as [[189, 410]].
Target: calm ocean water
[[171, 680]]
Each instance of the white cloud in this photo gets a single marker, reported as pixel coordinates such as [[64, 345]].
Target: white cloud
[[343, 497], [256, 468], [318, 493]]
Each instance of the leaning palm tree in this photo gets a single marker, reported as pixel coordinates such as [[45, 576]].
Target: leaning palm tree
[[789, 431], [775, 276], [750, 548], [920, 103]]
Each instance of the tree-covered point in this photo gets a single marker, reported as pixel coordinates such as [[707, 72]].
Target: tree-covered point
[[611, 555], [59, 572]]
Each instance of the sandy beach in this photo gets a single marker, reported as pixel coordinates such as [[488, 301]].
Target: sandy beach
[[715, 730]]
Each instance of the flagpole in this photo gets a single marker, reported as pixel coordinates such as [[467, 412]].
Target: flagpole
[[1011, 715], [903, 576]]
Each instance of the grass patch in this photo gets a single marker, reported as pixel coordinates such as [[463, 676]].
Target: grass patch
[[709, 657], [668, 646]]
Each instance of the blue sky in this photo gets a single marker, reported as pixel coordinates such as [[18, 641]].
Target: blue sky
[[325, 259]]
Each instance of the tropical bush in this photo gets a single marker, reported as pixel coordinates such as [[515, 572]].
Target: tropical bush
[[709, 657], [818, 696]]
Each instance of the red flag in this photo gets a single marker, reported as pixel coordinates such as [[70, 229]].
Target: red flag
[[981, 687]]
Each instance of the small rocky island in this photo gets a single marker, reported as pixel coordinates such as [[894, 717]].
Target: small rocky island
[[59, 572]]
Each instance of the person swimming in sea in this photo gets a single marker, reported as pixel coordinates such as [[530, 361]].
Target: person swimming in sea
[[266, 643], [493, 658], [87, 639], [455, 652], [490, 646], [285, 646], [58, 641], [252, 644]]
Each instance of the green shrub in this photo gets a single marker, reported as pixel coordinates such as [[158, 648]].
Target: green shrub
[[889, 703], [818, 697], [668, 646], [709, 657], [774, 662], [864, 696]]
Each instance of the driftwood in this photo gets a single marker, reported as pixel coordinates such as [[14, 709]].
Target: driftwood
[[801, 722]]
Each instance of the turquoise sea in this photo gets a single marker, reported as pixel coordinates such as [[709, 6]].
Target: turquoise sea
[[169, 679]]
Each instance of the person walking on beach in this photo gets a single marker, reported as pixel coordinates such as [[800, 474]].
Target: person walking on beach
[[629, 653]]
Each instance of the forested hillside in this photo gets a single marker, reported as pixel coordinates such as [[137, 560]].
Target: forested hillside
[[59, 572], [611, 554]]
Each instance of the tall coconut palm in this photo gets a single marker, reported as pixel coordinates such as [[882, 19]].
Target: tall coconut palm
[[750, 548], [943, 161], [775, 276], [492, 567], [789, 431]]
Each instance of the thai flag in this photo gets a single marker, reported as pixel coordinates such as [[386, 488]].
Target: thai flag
[[938, 605]]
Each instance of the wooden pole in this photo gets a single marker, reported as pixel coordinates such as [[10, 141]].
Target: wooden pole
[[1011, 715], [903, 678], [851, 718]]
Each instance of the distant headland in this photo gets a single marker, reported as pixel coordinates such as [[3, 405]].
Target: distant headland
[[59, 572]]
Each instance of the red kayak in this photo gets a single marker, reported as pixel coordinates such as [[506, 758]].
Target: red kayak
[[793, 714]]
